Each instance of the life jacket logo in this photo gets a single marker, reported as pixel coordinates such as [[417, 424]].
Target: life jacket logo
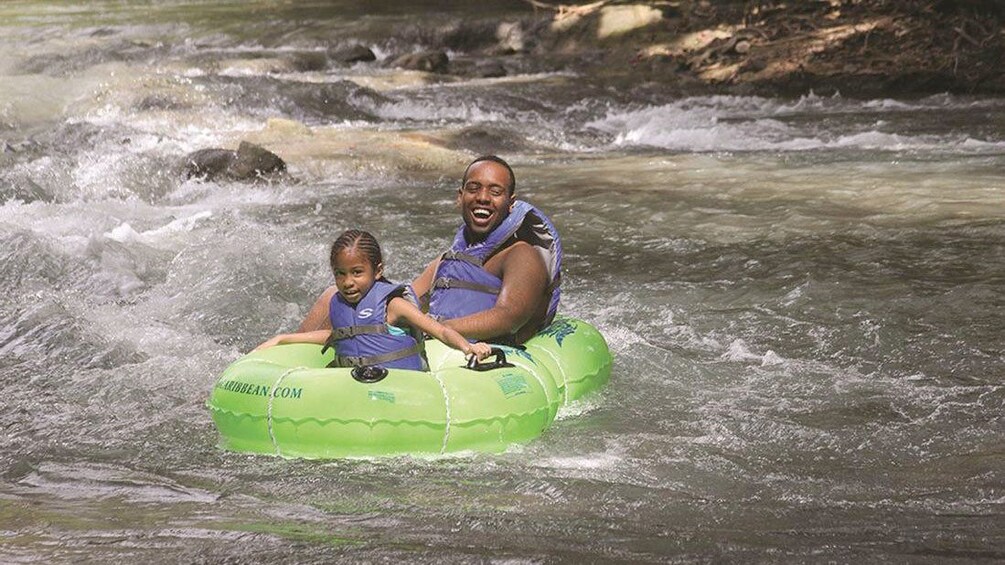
[[365, 313]]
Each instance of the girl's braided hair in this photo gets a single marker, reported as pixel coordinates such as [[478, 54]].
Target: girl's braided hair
[[362, 241]]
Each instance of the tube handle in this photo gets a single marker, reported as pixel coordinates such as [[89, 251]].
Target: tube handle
[[498, 363]]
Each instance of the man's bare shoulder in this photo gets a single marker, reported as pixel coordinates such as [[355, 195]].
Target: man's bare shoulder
[[523, 258]]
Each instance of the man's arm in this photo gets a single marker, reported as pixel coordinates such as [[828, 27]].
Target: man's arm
[[524, 278], [317, 318], [424, 283]]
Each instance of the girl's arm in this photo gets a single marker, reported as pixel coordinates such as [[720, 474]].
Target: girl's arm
[[318, 336], [399, 309]]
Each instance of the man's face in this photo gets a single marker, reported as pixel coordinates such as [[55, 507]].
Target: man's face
[[484, 198]]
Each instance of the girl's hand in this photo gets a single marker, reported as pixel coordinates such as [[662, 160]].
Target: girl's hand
[[479, 350]]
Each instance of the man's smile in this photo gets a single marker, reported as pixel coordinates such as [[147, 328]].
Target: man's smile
[[481, 215]]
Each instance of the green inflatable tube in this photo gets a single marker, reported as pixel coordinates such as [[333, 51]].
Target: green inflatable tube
[[283, 401]]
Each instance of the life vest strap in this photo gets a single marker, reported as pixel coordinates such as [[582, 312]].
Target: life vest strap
[[555, 282], [452, 255], [345, 332], [352, 361], [445, 282]]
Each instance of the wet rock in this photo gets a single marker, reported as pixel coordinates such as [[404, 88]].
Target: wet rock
[[256, 66], [25, 190], [478, 69], [250, 162], [76, 60], [511, 37], [254, 161], [303, 101], [69, 137], [489, 69], [27, 146], [343, 99], [427, 61], [288, 127], [352, 54], [470, 36], [487, 140], [208, 164], [620, 20], [309, 61], [160, 102]]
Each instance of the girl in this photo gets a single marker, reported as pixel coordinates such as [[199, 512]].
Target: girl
[[374, 321]]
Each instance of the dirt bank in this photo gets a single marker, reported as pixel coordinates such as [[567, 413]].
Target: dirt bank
[[861, 48]]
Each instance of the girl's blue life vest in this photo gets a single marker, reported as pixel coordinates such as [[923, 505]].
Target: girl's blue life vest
[[361, 336], [462, 286]]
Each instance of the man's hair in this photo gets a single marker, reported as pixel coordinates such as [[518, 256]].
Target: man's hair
[[361, 241], [512, 177]]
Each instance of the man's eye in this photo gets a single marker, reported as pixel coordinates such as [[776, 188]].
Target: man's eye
[[472, 187], [496, 191]]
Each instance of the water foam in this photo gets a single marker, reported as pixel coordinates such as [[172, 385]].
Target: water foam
[[125, 233], [730, 123]]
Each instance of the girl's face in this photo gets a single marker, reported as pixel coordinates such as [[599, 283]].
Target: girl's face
[[354, 275]]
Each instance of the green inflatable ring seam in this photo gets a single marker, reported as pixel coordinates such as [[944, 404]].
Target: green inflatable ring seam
[[372, 422]]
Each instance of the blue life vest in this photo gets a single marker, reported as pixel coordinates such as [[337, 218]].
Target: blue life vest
[[462, 286], [361, 336]]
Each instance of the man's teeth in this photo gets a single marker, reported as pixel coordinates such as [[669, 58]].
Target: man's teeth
[[481, 213]]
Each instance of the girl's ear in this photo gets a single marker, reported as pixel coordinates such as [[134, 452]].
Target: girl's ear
[[379, 272]]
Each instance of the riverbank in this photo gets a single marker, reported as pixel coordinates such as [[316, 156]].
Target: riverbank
[[861, 49]]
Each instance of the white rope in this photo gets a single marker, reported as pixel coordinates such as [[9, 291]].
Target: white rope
[[272, 394], [540, 380], [446, 405], [245, 360], [565, 378]]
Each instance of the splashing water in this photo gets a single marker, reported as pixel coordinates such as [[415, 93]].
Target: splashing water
[[804, 299]]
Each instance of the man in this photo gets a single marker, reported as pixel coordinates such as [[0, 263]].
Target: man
[[499, 281]]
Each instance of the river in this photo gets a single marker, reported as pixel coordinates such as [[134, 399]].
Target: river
[[805, 299]]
